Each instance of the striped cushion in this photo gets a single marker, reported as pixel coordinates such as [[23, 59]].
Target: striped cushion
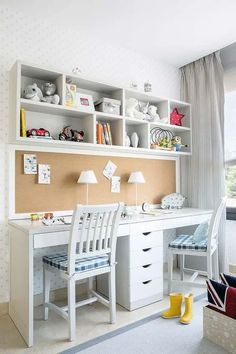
[[60, 261], [186, 242]]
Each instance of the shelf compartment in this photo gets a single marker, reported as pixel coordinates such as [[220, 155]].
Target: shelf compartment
[[116, 127], [142, 129], [183, 108], [54, 124], [96, 89], [30, 75]]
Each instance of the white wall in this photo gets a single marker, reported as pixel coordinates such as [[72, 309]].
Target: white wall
[[41, 43]]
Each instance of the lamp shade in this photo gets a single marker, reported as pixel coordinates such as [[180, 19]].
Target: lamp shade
[[136, 177], [87, 177]]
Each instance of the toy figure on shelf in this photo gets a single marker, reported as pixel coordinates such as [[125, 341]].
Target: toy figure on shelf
[[41, 132], [154, 116], [33, 92], [77, 135], [71, 134], [65, 134], [177, 144], [49, 93], [132, 109], [176, 117]]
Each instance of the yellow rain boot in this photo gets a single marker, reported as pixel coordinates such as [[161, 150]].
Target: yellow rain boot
[[175, 306], [188, 313]]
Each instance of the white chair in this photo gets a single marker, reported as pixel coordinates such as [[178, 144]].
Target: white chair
[[184, 245], [91, 251]]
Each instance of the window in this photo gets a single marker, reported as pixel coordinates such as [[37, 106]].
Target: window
[[230, 153]]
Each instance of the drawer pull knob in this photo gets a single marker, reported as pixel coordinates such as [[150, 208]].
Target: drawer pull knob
[[146, 249], [147, 265], [146, 282], [146, 233]]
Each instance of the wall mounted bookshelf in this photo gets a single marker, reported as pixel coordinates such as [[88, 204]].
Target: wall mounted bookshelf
[[55, 117]]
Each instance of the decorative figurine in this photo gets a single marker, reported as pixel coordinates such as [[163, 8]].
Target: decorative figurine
[[77, 135], [134, 140], [132, 109], [147, 86], [33, 92], [66, 133], [49, 96], [134, 85], [177, 144], [152, 111], [71, 134], [127, 140], [176, 117]]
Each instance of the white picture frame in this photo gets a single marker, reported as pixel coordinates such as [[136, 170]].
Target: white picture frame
[[85, 102]]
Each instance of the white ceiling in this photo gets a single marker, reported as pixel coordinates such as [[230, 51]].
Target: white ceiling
[[177, 31]]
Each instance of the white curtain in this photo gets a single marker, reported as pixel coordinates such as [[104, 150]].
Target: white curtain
[[203, 175]]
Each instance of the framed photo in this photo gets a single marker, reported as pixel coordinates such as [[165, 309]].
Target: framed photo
[[85, 102]]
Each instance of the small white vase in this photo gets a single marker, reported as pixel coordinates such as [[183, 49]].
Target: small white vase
[[127, 140], [134, 139]]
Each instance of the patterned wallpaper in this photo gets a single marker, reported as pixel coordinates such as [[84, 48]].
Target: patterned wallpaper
[[39, 42]]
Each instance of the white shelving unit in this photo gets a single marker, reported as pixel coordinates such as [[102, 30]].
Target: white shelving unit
[[54, 117]]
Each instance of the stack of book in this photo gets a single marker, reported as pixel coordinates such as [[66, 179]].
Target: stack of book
[[104, 134]]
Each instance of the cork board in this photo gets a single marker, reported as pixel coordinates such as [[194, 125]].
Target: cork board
[[64, 193]]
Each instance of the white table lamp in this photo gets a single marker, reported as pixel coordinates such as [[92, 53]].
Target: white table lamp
[[87, 177], [136, 178]]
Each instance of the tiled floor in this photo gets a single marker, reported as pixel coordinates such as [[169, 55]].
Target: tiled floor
[[92, 321]]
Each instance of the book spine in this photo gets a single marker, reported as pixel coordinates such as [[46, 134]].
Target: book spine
[[109, 133], [22, 123], [102, 134], [99, 133], [105, 134]]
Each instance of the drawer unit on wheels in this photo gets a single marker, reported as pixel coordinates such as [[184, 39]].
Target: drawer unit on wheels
[[139, 269]]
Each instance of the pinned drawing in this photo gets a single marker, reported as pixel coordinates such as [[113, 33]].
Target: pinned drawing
[[30, 164], [109, 169], [44, 174]]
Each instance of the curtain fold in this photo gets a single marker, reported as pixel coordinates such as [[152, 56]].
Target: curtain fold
[[202, 174]]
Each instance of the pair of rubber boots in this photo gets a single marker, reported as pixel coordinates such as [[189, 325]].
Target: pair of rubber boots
[[176, 300]]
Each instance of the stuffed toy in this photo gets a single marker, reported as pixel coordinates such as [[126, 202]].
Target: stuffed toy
[[152, 111], [131, 109], [49, 95], [33, 92]]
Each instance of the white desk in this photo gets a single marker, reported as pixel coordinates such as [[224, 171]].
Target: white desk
[[25, 236]]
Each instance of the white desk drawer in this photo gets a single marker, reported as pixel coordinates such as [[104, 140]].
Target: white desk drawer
[[146, 239], [145, 256], [146, 289], [145, 272], [51, 239]]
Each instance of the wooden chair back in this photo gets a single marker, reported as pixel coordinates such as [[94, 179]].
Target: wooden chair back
[[93, 232], [214, 225]]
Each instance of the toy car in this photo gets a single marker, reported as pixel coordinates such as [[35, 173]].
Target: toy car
[[38, 132]]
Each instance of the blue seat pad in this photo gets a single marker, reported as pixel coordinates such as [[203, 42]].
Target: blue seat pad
[[60, 261], [186, 242]]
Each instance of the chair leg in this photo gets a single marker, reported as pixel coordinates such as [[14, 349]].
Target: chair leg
[[112, 294], [170, 269], [209, 266], [181, 267], [46, 292], [71, 308], [90, 286]]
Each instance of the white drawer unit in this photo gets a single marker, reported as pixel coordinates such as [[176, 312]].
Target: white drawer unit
[[139, 270]]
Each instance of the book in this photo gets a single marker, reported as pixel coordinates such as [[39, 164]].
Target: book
[[22, 123], [105, 131], [99, 133], [109, 133]]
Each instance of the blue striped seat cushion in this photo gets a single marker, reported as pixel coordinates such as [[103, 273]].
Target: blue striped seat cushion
[[60, 261], [186, 242]]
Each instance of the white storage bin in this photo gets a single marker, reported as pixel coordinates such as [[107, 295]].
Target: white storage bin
[[108, 105], [219, 329]]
